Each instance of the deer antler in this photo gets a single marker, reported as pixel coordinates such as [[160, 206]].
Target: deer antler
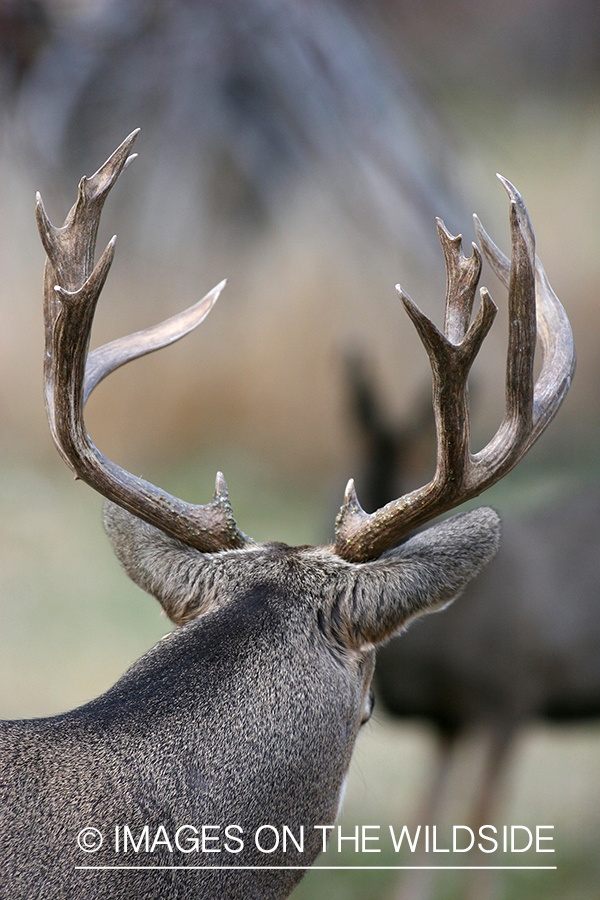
[[459, 476], [72, 287]]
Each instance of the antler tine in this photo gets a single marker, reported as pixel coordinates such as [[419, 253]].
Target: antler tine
[[459, 476], [72, 287], [554, 330], [104, 360], [462, 278], [529, 408]]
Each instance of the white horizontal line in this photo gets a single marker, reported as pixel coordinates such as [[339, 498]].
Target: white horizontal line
[[307, 868]]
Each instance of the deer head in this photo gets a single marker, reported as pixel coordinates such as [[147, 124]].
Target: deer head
[[248, 712]]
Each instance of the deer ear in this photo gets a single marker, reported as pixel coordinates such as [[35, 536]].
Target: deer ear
[[166, 568], [422, 575]]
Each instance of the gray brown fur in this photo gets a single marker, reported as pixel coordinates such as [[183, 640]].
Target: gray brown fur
[[245, 715]]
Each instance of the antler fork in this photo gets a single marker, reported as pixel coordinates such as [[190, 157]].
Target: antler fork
[[460, 476], [72, 287]]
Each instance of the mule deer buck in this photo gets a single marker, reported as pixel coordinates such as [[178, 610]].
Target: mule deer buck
[[234, 734]]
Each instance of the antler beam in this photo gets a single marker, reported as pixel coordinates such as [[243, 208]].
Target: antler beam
[[460, 476], [72, 287]]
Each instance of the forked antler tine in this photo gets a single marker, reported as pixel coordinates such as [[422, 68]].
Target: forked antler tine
[[71, 291], [104, 360], [452, 352], [70, 249], [450, 366], [360, 536], [460, 476], [462, 278]]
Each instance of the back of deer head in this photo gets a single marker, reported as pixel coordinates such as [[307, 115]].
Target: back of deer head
[[241, 723]]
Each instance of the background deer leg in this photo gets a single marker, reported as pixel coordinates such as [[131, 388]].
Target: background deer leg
[[484, 884], [417, 884]]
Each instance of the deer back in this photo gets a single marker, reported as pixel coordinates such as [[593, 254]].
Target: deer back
[[246, 715]]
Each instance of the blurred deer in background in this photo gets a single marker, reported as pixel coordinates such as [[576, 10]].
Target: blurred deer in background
[[523, 643], [248, 712]]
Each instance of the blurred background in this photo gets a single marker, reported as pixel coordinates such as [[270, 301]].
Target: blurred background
[[302, 149]]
